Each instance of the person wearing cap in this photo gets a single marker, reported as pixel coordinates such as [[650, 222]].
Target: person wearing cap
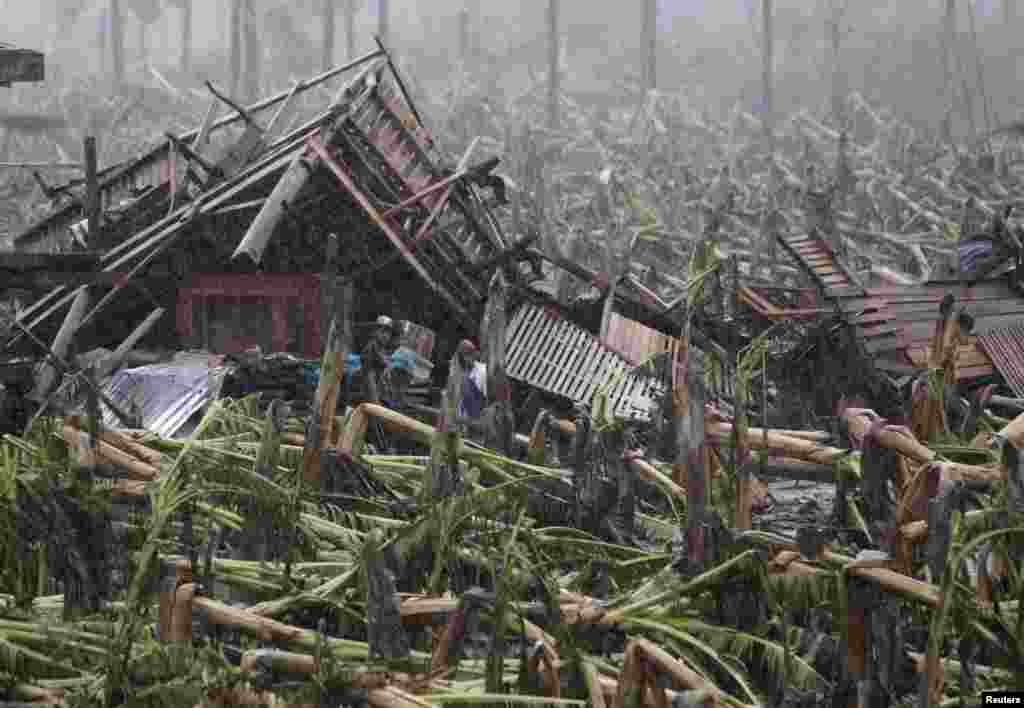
[[377, 356], [474, 387]]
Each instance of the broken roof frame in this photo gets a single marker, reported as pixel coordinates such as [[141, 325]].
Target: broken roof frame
[[20, 65], [364, 110]]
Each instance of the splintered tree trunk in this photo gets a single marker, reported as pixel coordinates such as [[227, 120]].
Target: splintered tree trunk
[[554, 51], [116, 41], [327, 21], [767, 70], [185, 60], [235, 49], [501, 421], [383, 22], [332, 368], [651, 44], [689, 468]]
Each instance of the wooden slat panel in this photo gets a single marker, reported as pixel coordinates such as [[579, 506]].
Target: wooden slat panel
[[557, 356]]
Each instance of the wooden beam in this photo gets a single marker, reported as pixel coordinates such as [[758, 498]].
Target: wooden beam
[[93, 207], [392, 236]]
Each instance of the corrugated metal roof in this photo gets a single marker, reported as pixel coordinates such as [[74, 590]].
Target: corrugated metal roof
[[636, 342], [818, 259], [552, 354], [895, 323], [1006, 348], [165, 395]]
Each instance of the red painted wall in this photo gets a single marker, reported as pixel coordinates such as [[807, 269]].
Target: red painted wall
[[279, 291]]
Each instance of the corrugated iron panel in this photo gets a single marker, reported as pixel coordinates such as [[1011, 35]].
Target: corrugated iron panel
[[556, 356], [636, 342], [165, 395], [888, 319], [1006, 348]]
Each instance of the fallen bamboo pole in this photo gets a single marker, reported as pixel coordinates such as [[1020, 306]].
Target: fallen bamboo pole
[[860, 422], [138, 469]]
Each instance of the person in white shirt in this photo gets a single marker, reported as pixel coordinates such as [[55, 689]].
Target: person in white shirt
[[474, 388]]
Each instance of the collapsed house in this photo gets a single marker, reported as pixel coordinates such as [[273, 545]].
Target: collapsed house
[[224, 232], [870, 342]]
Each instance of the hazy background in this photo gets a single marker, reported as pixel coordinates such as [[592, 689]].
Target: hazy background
[[891, 50]]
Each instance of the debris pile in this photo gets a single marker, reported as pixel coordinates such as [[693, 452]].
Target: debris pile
[[586, 504]]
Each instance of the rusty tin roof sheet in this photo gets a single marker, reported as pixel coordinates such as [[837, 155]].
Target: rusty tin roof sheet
[[1005, 346]]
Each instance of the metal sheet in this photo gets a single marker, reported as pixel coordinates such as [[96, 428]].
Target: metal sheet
[[165, 395], [1005, 347], [556, 356]]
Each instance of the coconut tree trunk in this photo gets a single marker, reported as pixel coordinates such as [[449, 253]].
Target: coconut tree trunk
[[651, 44], [116, 42], [350, 28], [143, 43], [554, 51], [327, 23], [838, 76], [235, 49], [253, 52], [464, 35], [948, 62], [383, 22], [185, 60], [767, 69]]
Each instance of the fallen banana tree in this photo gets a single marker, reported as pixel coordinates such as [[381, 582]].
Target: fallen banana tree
[[214, 546]]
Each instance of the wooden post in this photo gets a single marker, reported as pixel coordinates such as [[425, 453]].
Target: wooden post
[[383, 22], [554, 53], [328, 289], [768, 72], [339, 344], [92, 189], [185, 61], [651, 44], [327, 22], [116, 42], [235, 46]]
